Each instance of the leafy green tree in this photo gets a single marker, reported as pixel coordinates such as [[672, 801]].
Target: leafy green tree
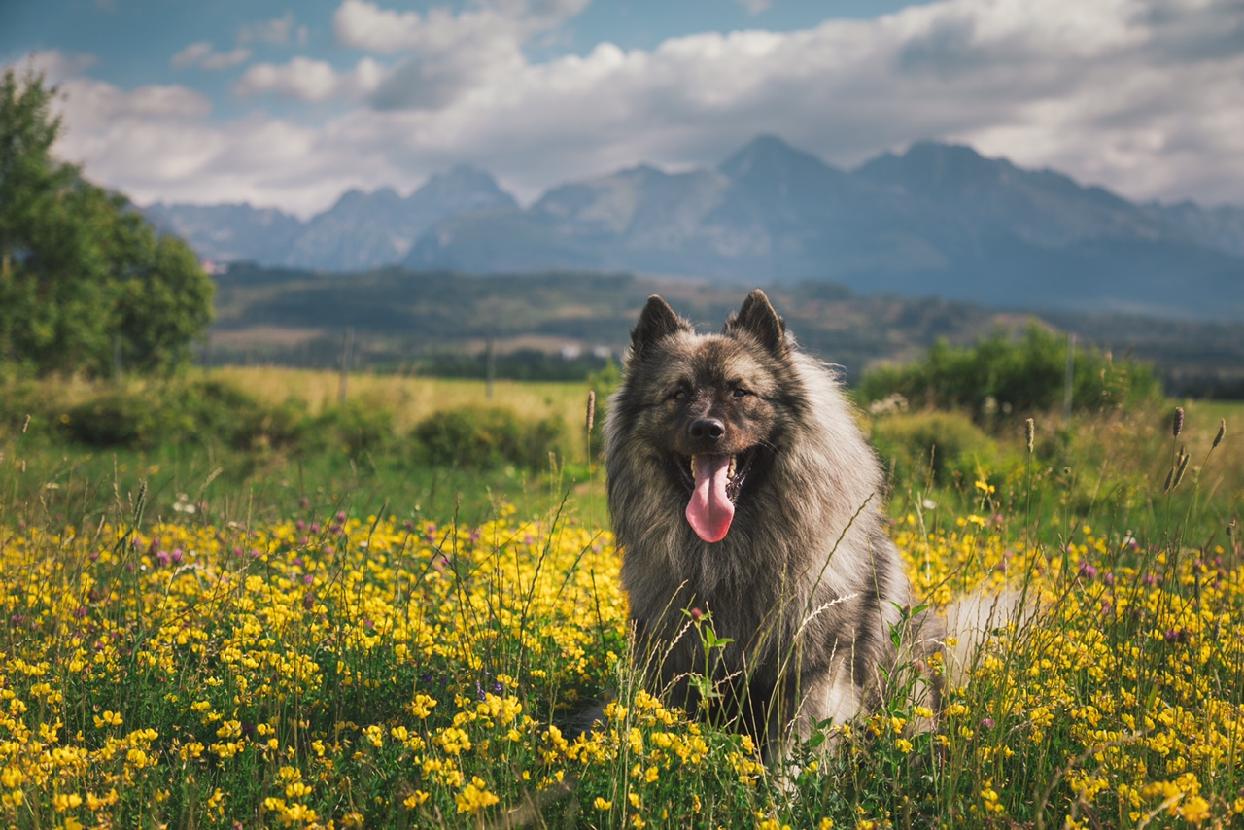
[[86, 285]]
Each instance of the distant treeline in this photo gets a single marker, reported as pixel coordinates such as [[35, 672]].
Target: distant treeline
[[328, 353], [522, 364], [436, 322]]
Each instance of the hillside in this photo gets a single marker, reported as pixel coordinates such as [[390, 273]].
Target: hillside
[[397, 315]]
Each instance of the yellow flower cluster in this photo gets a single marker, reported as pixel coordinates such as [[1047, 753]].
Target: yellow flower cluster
[[217, 671], [1127, 674], [375, 672]]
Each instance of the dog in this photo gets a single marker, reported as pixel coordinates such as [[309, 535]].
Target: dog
[[748, 506]]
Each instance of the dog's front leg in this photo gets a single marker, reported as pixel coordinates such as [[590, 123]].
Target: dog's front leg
[[828, 696]]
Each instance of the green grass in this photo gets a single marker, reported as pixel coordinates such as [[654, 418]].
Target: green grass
[[226, 599]]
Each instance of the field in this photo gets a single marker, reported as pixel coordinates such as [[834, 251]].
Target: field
[[197, 635], [411, 399]]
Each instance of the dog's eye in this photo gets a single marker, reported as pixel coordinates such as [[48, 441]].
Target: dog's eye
[[740, 392], [678, 394]]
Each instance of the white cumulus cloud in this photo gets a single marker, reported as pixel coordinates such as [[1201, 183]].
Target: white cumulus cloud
[[202, 54], [1143, 96], [310, 80], [278, 31]]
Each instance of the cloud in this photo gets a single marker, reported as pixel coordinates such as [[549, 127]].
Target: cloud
[[310, 80], [448, 53], [279, 31], [1142, 96], [362, 24], [755, 7], [202, 54], [55, 66]]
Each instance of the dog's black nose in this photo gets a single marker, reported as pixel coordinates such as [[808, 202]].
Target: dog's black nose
[[707, 428]]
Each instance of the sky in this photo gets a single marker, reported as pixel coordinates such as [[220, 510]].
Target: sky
[[288, 104]]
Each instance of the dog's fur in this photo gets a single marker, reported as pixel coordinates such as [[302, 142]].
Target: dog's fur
[[806, 585]]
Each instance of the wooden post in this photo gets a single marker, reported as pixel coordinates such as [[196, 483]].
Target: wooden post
[[490, 368], [347, 357], [1069, 380]]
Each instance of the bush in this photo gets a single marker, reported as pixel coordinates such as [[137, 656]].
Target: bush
[[1002, 375], [198, 412], [946, 444], [355, 427], [211, 412], [483, 437], [118, 419], [22, 398]]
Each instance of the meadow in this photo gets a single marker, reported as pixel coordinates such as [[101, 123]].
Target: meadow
[[203, 634]]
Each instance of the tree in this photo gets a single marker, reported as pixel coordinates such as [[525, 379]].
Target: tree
[[84, 279]]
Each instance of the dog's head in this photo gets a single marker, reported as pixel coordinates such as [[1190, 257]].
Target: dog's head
[[710, 409]]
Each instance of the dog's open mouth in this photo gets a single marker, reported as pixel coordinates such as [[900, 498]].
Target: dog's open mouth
[[715, 481]]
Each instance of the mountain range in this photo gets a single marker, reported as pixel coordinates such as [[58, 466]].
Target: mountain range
[[939, 219], [361, 230]]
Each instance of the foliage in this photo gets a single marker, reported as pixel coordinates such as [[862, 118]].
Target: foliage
[[477, 436], [354, 427], [195, 412], [934, 447], [1002, 375], [85, 283], [207, 412]]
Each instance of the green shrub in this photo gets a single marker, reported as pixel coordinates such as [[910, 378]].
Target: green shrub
[[1001, 375], [354, 427], [197, 412], [22, 398], [118, 419], [481, 437], [208, 412], [941, 446]]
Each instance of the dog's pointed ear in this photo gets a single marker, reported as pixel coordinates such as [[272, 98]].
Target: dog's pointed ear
[[657, 320], [758, 318]]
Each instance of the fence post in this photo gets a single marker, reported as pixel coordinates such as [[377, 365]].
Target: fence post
[[347, 356], [490, 368], [1069, 379]]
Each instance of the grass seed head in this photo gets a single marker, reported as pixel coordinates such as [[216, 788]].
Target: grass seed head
[[1183, 467], [1030, 431], [1177, 424], [591, 409], [1222, 433]]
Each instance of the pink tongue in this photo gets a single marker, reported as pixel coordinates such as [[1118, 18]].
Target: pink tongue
[[710, 510]]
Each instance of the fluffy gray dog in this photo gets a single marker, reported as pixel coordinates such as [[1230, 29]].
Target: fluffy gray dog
[[747, 503]]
